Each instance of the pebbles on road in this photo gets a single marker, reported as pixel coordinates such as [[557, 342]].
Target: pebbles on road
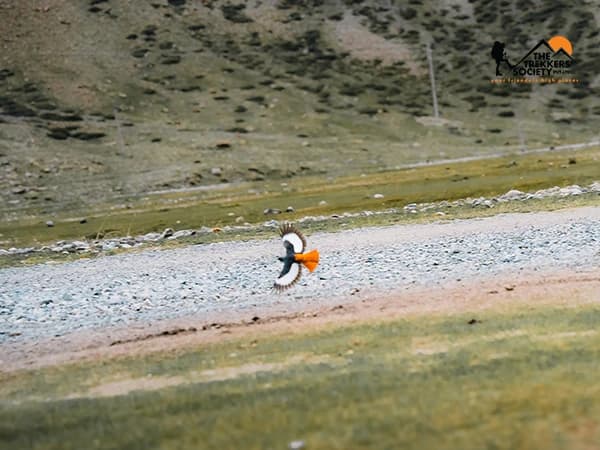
[[47, 300]]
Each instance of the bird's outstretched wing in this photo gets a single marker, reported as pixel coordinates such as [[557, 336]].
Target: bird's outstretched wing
[[289, 275], [289, 233]]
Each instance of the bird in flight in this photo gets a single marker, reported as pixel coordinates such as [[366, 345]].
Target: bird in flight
[[294, 243]]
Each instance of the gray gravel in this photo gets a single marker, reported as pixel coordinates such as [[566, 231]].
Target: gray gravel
[[206, 280]]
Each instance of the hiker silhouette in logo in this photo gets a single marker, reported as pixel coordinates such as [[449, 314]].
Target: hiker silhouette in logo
[[499, 55]]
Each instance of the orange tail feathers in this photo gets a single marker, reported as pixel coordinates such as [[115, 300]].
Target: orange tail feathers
[[310, 260]]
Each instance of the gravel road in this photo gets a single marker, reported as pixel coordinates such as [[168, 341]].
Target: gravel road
[[50, 300]]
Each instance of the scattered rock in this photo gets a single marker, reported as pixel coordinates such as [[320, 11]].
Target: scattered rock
[[150, 30], [290, 209], [19, 190], [150, 237], [239, 130], [234, 13], [512, 195], [269, 211], [481, 201], [5, 73], [173, 59], [58, 134], [256, 99], [570, 190], [88, 135], [61, 117], [80, 246], [368, 111], [182, 233], [378, 196], [139, 52], [49, 223]]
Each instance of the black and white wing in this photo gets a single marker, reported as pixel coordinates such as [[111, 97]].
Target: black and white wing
[[291, 271], [289, 233], [289, 275]]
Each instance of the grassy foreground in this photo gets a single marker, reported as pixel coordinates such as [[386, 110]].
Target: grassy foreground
[[516, 379]]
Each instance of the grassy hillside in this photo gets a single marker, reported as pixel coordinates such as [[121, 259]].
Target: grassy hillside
[[102, 99]]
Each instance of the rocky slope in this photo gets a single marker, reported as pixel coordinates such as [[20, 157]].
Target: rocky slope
[[100, 98]]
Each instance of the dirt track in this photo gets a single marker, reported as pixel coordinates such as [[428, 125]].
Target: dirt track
[[458, 266], [566, 289], [127, 299]]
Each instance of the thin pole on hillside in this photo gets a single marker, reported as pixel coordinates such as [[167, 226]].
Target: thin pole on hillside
[[432, 78]]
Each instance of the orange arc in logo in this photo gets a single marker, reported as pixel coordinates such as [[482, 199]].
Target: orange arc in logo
[[557, 42]]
